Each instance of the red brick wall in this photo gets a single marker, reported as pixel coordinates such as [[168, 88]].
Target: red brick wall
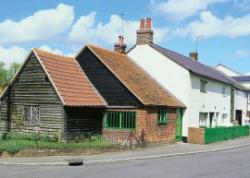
[[147, 120], [196, 135]]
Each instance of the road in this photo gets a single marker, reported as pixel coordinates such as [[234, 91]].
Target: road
[[225, 164]]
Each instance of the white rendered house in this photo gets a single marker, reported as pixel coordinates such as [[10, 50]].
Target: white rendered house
[[206, 92], [241, 97]]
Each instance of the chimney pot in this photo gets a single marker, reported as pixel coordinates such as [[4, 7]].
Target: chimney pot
[[142, 24], [120, 47], [148, 23], [193, 56]]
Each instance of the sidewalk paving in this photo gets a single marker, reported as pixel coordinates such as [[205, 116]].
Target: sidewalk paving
[[178, 149]]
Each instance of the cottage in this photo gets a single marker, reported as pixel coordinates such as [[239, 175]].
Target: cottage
[[135, 101], [206, 92], [51, 93], [100, 91]]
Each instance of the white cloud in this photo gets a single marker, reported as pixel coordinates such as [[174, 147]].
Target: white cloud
[[181, 9], [12, 54], [242, 53], [86, 29], [42, 25], [210, 25], [49, 49]]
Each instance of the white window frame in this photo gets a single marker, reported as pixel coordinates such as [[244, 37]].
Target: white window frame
[[224, 91], [203, 86], [203, 121], [30, 121]]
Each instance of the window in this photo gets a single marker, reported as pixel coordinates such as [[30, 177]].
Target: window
[[224, 91], [31, 115], [162, 116], [223, 118], [120, 120], [203, 86], [203, 119]]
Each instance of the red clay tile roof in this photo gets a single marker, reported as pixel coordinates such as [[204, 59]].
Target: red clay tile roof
[[69, 81], [146, 89]]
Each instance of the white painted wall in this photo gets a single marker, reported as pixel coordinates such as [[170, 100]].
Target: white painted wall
[[226, 70], [241, 103], [170, 75], [246, 84], [185, 86], [213, 101]]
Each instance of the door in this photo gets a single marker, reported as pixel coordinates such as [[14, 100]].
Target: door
[[178, 130], [238, 116], [211, 117]]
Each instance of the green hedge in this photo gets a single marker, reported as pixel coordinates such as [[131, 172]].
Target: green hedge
[[224, 133]]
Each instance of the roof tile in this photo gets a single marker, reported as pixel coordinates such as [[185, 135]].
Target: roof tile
[[69, 80], [146, 89]]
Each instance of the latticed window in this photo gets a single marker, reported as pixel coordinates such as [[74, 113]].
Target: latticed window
[[203, 86], [31, 115], [162, 116], [120, 120]]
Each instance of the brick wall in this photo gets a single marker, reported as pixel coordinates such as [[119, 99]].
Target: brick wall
[[147, 120], [195, 135]]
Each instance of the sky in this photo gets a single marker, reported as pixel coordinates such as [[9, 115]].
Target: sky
[[221, 28]]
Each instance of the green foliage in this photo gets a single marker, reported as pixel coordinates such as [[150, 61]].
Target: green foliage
[[7, 74], [13, 148]]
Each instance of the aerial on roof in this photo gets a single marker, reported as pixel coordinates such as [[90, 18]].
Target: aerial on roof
[[69, 81], [197, 67], [135, 79]]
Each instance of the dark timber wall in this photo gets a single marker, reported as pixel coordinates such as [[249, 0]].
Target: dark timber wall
[[81, 119], [32, 87], [113, 91]]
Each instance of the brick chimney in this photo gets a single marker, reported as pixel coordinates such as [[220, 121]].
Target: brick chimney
[[119, 46], [145, 33], [193, 56]]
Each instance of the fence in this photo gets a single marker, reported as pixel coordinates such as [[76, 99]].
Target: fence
[[224, 133], [17, 140]]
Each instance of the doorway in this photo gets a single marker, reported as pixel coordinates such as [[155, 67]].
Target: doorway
[[238, 116], [211, 117], [178, 130]]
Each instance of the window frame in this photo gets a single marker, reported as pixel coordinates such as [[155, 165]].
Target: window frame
[[162, 116], [224, 91], [203, 86], [121, 118], [29, 122], [205, 119]]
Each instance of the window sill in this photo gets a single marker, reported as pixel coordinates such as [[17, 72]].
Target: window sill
[[162, 123]]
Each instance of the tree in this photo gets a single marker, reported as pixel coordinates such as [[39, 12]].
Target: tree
[[13, 70], [7, 74], [3, 76]]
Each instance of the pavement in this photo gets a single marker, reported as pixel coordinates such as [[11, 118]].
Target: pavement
[[174, 150]]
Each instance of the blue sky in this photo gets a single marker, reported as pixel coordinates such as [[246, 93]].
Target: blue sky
[[63, 27]]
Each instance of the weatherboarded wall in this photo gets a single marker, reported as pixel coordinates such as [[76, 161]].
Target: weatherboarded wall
[[32, 88]]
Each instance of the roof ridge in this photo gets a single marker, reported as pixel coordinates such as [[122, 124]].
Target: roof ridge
[[51, 53], [95, 46]]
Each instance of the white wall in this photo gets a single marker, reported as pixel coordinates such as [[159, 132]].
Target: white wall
[[185, 86], [246, 84], [170, 75], [213, 101], [240, 103], [227, 71]]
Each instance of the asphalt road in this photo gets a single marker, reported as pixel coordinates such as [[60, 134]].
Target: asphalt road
[[226, 164]]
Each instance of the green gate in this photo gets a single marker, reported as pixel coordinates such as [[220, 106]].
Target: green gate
[[178, 130]]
